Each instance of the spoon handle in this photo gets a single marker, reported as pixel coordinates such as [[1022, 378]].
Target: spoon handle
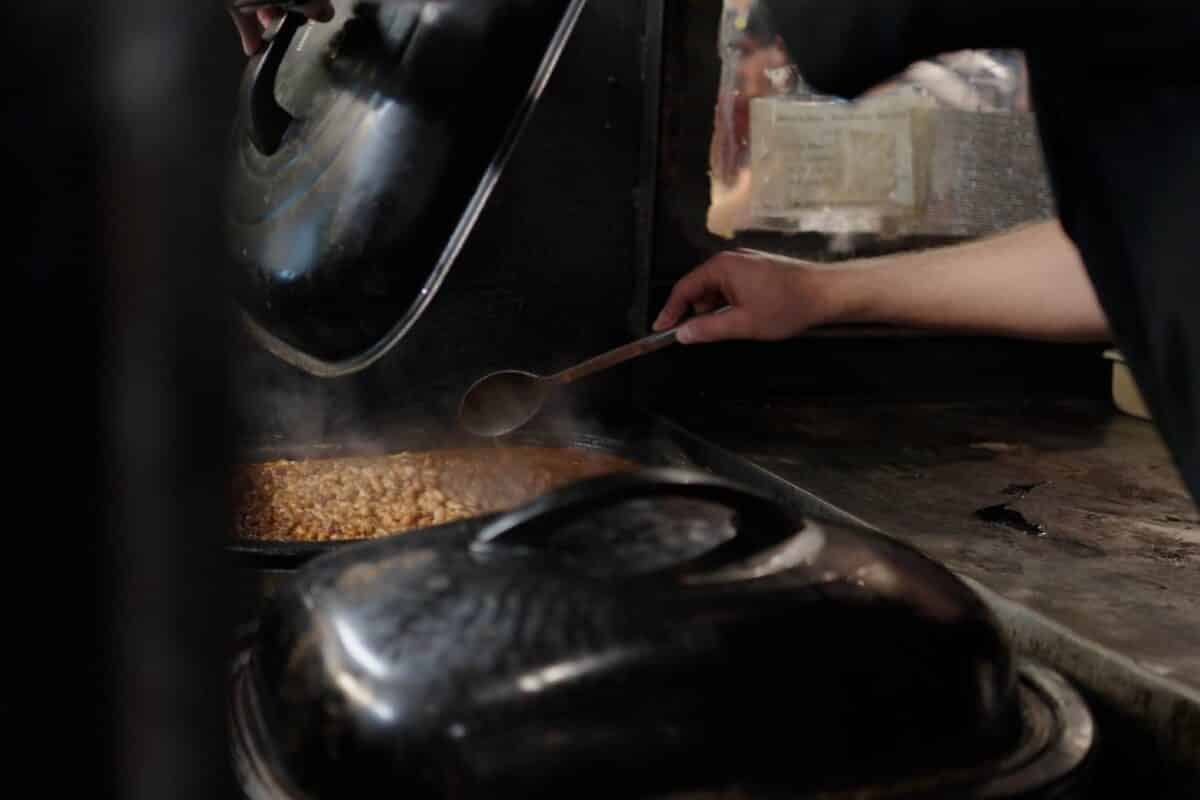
[[649, 344]]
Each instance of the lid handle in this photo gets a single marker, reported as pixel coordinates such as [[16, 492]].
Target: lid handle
[[267, 120], [762, 523]]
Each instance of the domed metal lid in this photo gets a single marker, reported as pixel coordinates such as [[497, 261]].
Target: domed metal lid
[[364, 151], [650, 632]]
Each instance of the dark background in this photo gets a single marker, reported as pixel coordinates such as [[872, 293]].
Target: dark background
[[116, 647], [116, 118]]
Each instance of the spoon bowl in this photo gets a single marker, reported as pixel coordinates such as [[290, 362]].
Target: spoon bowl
[[502, 402]]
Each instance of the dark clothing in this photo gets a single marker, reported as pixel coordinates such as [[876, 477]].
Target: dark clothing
[[1118, 106]]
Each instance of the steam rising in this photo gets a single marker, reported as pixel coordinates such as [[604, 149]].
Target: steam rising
[[283, 411]]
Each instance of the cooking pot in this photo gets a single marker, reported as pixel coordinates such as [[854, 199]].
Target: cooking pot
[[364, 150], [644, 635], [641, 444]]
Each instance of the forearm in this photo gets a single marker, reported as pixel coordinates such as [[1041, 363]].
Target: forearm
[[1029, 283]]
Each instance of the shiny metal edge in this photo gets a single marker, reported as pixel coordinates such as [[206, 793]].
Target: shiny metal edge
[[336, 369], [1114, 675], [256, 777], [1063, 756]]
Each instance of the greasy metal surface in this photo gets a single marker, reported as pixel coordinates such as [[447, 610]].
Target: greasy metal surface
[[1109, 594], [1150, 724], [1119, 561]]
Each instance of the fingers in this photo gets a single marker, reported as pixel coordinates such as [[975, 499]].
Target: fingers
[[249, 31], [320, 10], [708, 303], [268, 15], [252, 22], [701, 288], [733, 324]]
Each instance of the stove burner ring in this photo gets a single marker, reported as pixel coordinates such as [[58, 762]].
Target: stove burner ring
[[1058, 739], [1051, 760]]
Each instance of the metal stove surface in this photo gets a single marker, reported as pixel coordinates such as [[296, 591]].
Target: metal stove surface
[[1059, 736]]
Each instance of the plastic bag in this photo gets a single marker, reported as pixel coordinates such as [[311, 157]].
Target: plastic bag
[[946, 148]]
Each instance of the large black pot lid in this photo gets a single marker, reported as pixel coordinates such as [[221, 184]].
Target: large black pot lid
[[638, 635], [364, 151]]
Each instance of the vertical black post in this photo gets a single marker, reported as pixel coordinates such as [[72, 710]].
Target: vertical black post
[[166, 99], [114, 120]]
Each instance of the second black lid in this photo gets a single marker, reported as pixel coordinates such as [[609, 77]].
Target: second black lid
[[655, 631]]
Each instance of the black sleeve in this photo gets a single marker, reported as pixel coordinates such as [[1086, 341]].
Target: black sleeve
[[1119, 109], [1118, 105], [1124, 160], [844, 47]]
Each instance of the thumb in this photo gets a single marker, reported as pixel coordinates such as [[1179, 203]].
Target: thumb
[[248, 30], [734, 323]]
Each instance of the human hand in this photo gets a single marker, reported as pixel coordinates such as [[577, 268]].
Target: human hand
[[253, 20], [771, 298]]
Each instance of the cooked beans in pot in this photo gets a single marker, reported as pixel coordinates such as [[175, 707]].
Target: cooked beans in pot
[[366, 497]]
